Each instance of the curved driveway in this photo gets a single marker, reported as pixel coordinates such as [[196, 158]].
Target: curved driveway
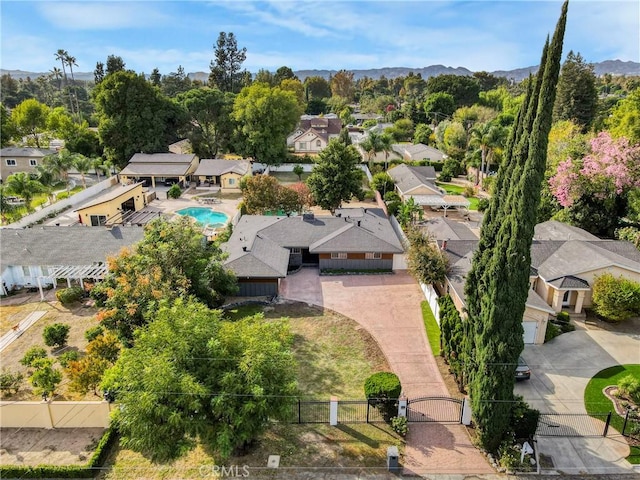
[[388, 306]]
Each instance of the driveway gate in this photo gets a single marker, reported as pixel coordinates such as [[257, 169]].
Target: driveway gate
[[434, 409], [573, 424]]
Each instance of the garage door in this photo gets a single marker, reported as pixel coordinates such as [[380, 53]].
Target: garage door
[[530, 330]]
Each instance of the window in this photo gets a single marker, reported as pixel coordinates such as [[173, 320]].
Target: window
[[296, 250], [33, 162], [26, 271], [10, 162], [98, 220], [302, 145], [232, 181], [318, 143], [373, 255], [45, 271], [338, 256]]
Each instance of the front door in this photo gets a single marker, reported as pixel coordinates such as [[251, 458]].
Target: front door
[[566, 298]]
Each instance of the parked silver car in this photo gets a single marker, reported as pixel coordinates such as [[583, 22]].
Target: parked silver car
[[523, 372]]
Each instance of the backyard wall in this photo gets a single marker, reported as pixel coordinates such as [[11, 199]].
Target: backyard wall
[[54, 414]]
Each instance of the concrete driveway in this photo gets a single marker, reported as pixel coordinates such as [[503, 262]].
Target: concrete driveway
[[388, 306], [560, 371]]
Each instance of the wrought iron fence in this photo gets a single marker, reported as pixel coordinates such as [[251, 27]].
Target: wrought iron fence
[[308, 411], [359, 411], [434, 409], [573, 424]]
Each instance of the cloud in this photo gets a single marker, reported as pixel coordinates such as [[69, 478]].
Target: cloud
[[26, 52], [102, 16]]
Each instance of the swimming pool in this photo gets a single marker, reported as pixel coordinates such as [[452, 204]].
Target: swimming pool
[[205, 216]]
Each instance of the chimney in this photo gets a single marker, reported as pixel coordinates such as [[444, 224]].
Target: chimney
[[444, 245]]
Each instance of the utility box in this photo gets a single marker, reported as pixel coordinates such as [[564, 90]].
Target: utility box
[[392, 459]]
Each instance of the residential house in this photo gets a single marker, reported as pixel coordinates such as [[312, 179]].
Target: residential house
[[418, 152], [159, 167], [21, 159], [314, 133], [113, 206], [181, 146], [263, 249], [225, 174], [565, 261], [37, 257]]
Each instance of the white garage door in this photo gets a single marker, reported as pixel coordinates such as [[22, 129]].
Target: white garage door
[[530, 329]]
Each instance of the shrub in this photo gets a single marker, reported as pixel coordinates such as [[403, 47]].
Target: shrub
[[369, 195], [93, 332], [469, 191], [524, 419], [382, 182], [509, 458], [10, 381], [382, 389], [68, 356], [488, 184], [392, 196], [483, 204], [174, 191], [616, 299], [56, 335], [445, 176], [630, 386], [67, 296], [34, 353], [45, 378], [562, 317], [567, 327], [552, 332], [400, 425]]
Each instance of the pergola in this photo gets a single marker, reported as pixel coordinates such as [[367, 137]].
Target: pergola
[[442, 201], [74, 272]]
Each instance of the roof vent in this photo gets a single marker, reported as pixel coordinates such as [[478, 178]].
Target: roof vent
[[244, 248], [358, 222]]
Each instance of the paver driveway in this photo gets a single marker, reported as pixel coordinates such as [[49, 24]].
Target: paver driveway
[[560, 371], [388, 306]]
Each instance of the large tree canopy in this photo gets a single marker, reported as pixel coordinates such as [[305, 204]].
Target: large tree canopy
[[266, 116], [193, 377], [134, 117], [225, 69], [336, 177], [577, 96]]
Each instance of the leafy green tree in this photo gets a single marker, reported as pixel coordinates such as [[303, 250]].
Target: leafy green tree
[[317, 88], [30, 120], [616, 299], [577, 96], [45, 379], [382, 182], [298, 170], [56, 335], [22, 185], [422, 134], [115, 64], [498, 283], [211, 125], [191, 376], [336, 177], [463, 89], [402, 130], [260, 194], [10, 382], [266, 116], [7, 128], [146, 122], [31, 355], [625, 118], [98, 73], [426, 261], [175, 83], [342, 85], [284, 73], [225, 69]]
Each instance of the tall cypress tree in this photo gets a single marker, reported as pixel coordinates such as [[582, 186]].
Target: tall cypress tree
[[498, 283]]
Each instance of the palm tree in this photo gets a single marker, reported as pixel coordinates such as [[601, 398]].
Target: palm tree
[[372, 145], [385, 146], [62, 56], [71, 61], [48, 179], [487, 138], [82, 164], [60, 163], [24, 186], [99, 167], [56, 73], [5, 206]]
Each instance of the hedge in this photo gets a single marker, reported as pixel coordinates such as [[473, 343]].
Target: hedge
[[90, 470]]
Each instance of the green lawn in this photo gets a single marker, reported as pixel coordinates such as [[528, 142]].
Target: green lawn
[[452, 189], [596, 402], [288, 177], [432, 328]]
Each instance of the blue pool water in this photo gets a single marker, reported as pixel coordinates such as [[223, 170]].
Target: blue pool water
[[205, 216]]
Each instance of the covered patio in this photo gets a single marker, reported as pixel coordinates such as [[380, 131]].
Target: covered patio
[[442, 202], [73, 272]]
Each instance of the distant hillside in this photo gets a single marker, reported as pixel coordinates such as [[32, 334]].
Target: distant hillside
[[614, 67]]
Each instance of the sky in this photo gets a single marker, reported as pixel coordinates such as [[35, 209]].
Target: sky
[[357, 34]]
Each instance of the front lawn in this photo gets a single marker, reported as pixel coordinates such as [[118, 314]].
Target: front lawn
[[596, 402], [335, 355]]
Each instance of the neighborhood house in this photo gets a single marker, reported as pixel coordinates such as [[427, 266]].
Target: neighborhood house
[[159, 167], [222, 174], [314, 132], [264, 249], [114, 206], [21, 159]]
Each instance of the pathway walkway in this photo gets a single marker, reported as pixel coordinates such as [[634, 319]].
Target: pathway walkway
[[9, 337], [388, 306]]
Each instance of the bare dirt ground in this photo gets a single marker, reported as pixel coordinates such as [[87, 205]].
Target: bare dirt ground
[[28, 446], [15, 308]]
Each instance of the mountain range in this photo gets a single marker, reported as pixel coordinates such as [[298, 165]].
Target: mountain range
[[613, 67]]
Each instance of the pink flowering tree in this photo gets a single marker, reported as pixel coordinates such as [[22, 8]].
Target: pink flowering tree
[[610, 169], [594, 189]]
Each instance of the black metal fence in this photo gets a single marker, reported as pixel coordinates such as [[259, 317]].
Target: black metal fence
[[573, 424], [434, 409], [308, 411], [631, 424], [349, 411], [359, 411]]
